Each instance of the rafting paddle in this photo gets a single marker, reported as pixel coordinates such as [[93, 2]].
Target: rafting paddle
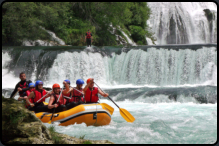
[[123, 112], [14, 94], [43, 96], [55, 108]]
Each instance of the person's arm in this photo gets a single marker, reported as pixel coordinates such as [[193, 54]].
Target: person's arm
[[48, 95], [103, 94], [70, 90], [85, 88], [29, 97], [25, 89], [15, 90], [50, 106]]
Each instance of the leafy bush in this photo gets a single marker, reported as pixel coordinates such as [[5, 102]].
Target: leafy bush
[[71, 20]]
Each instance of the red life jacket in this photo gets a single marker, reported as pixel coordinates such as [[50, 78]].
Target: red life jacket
[[31, 99], [39, 95], [88, 35], [62, 100], [22, 86], [77, 96], [91, 96]]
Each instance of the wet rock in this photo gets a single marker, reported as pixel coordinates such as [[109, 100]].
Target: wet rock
[[21, 126]]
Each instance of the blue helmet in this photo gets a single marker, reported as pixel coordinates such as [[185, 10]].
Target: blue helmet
[[31, 85], [79, 81], [38, 82], [67, 81]]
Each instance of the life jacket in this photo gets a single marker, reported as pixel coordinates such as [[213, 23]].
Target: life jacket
[[62, 100], [31, 99], [39, 95], [88, 35], [91, 96], [77, 96], [22, 86]]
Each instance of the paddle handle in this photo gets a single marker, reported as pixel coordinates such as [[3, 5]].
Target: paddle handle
[[14, 94], [54, 107], [108, 96], [78, 90], [43, 96], [113, 102], [59, 96]]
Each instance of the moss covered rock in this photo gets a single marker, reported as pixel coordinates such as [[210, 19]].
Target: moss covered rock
[[21, 126]]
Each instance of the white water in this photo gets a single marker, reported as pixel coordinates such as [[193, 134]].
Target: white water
[[128, 39], [136, 68], [44, 43], [155, 123], [158, 119], [156, 67], [193, 26], [8, 79]]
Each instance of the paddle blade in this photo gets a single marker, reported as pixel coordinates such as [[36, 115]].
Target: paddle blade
[[50, 121], [108, 107], [126, 115]]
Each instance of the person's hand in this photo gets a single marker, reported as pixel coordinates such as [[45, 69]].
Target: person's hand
[[55, 105], [32, 105], [19, 89], [25, 97], [64, 82], [92, 80], [106, 95]]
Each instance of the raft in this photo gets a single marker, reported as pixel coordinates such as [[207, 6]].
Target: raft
[[94, 114]]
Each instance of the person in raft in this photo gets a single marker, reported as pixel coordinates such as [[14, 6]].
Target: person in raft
[[36, 95], [67, 87], [31, 88], [91, 92], [76, 96], [60, 105], [21, 86]]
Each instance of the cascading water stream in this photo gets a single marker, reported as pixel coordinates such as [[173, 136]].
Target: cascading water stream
[[170, 90], [183, 22], [152, 66]]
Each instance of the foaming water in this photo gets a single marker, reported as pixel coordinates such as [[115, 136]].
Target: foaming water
[[183, 22], [160, 66], [8, 78], [185, 123]]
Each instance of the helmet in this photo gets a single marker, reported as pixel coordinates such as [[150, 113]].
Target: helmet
[[31, 85], [88, 80], [38, 82], [55, 86], [67, 81], [79, 81]]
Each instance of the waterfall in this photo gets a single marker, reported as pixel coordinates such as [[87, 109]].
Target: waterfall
[[183, 22], [138, 66]]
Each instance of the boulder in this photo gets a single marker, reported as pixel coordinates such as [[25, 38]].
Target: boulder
[[21, 126]]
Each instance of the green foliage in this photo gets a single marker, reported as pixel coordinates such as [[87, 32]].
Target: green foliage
[[87, 142], [71, 20], [82, 137], [19, 22], [57, 139], [15, 118]]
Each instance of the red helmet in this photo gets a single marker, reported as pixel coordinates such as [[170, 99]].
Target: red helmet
[[56, 86], [88, 80]]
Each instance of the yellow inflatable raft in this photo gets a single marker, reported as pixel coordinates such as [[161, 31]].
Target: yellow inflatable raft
[[91, 114]]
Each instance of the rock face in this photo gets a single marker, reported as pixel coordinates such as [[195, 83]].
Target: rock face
[[21, 126]]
